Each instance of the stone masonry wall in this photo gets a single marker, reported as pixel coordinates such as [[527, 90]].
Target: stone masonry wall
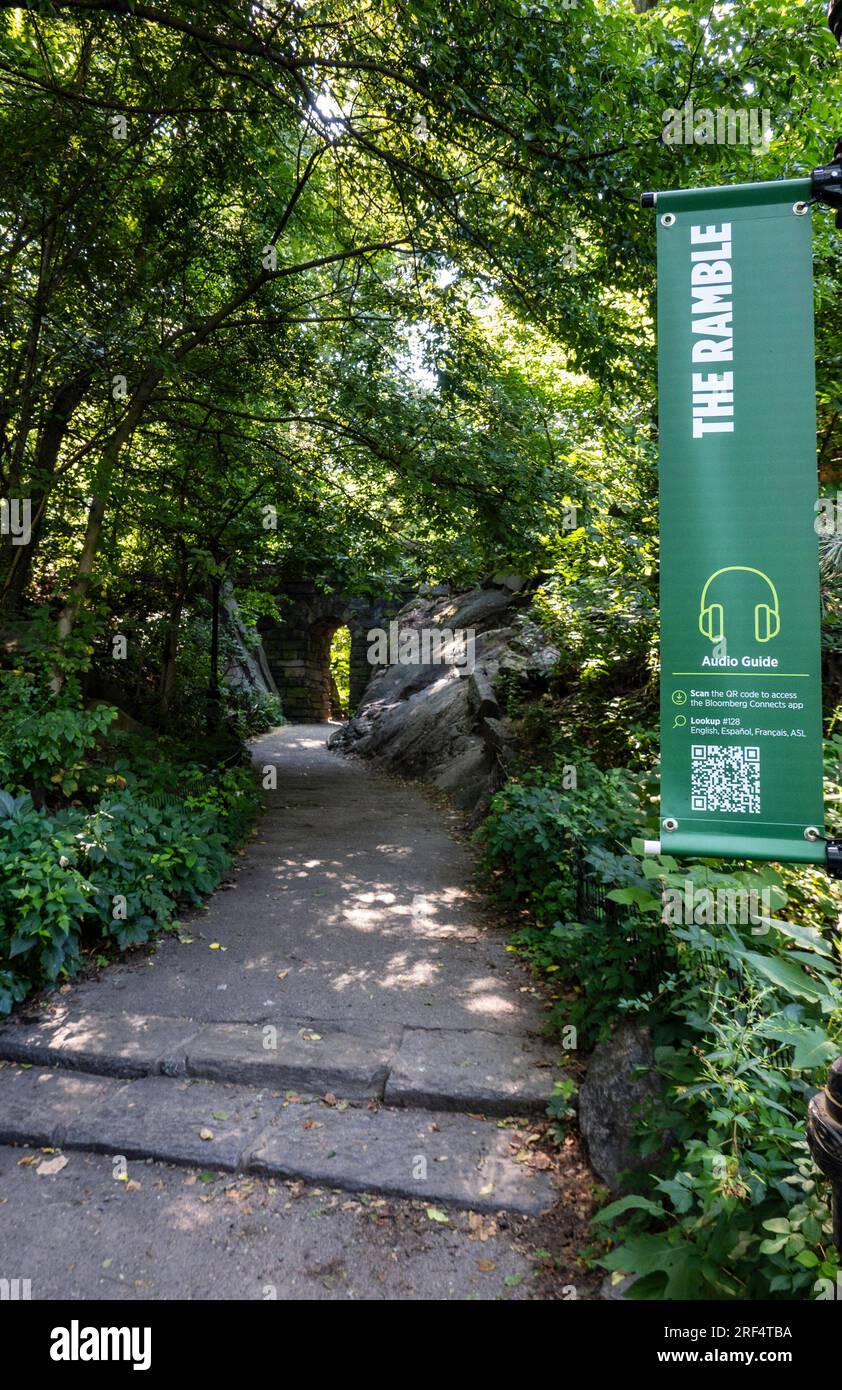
[[298, 647]]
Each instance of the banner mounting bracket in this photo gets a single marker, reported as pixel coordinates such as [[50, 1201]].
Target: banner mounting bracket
[[833, 849], [826, 182]]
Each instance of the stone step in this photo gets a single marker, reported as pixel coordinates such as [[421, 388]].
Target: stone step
[[441, 1069], [440, 1157], [455, 1069]]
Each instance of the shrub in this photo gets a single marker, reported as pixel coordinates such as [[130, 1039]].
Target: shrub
[[744, 1018], [250, 711], [112, 874], [44, 742]]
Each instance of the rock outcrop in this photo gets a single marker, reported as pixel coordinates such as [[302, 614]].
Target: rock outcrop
[[246, 667], [621, 1078], [441, 720]]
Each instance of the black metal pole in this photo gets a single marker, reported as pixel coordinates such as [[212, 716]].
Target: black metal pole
[[824, 1135]]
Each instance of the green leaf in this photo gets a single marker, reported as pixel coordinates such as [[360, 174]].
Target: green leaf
[[631, 1203], [788, 977]]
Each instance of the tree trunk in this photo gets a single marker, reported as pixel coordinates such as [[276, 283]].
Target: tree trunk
[[213, 688], [18, 565], [166, 688], [96, 513]]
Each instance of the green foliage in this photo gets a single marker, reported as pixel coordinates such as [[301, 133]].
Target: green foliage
[[536, 834], [155, 835], [451, 193], [745, 1010], [44, 894], [737, 1211], [340, 664], [250, 711], [400, 388], [42, 742]]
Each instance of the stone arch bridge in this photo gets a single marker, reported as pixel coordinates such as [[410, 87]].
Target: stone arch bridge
[[297, 649]]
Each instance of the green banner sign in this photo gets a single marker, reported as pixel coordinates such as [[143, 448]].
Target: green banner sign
[[741, 771]]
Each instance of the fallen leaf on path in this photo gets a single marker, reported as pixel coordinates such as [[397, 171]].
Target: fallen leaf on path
[[486, 1266], [436, 1214], [238, 1194], [481, 1227], [52, 1165]]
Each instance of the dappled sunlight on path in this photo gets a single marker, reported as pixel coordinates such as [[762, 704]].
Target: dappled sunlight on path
[[352, 902]]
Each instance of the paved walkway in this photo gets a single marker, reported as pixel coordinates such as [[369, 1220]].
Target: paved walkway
[[355, 886], [342, 1014]]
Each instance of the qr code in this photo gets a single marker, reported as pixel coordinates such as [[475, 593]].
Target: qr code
[[725, 777]]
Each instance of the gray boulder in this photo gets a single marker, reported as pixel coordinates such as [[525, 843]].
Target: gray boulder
[[440, 721], [611, 1097]]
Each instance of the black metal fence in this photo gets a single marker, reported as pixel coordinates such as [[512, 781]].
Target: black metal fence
[[644, 940]]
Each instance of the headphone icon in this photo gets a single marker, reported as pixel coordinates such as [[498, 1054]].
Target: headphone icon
[[767, 618]]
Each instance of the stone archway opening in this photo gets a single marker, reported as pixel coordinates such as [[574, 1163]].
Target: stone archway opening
[[324, 696], [339, 661], [298, 648]]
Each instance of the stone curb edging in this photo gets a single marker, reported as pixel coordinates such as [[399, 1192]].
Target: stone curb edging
[[446, 1157], [473, 1070]]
